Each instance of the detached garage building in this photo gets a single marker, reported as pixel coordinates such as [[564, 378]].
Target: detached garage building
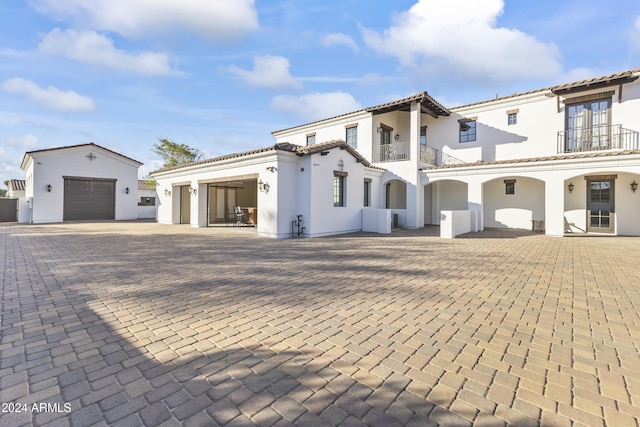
[[80, 182]]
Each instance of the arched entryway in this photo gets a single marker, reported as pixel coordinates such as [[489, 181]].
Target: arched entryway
[[513, 202], [443, 195]]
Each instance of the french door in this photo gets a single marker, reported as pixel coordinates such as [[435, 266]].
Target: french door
[[588, 126], [600, 206]]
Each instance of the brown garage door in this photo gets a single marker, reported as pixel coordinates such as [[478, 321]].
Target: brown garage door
[[8, 210], [86, 198]]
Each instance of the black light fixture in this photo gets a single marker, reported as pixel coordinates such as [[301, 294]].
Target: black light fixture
[[634, 186], [126, 190], [571, 187], [49, 188]]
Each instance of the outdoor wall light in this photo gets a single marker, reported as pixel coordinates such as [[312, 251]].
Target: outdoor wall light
[[634, 186], [167, 192], [272, 168], [126, 190], [263, 186], [571, 187], [193, 191], [49, 188], [397, 137]]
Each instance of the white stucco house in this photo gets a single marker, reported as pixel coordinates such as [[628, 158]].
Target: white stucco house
[[79, 182], [561, 159], [15, 188]]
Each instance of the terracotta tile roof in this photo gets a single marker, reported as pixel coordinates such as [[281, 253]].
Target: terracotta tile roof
[[389, 106], [588, 155], [91, 144], [283, 146], [337, 143], [225, 157], [586, 83], [17, 184]]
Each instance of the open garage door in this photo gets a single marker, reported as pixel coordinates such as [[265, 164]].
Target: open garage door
[[89, 199]]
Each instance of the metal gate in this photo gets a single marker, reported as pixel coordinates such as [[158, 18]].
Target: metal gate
[[8, 210]]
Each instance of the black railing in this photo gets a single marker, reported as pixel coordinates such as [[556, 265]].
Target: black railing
[[597, 138]]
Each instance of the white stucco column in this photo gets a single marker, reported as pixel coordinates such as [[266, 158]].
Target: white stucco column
[[415, 192], [474, 204], [554, 206], [201, 201]]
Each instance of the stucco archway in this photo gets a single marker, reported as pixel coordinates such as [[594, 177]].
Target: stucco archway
[[513, 202], [446, 194]]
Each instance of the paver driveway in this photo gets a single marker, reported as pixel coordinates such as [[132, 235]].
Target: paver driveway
[[147, 324]]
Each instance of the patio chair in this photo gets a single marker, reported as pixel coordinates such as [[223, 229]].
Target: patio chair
[[239, 215]]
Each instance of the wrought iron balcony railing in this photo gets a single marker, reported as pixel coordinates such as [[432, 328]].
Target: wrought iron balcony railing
[[428, 155], [597, 138], [393, 152]]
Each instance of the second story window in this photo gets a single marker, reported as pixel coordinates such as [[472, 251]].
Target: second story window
[[512, 119], [311, 139], [351, 137], [467, 130], [385, 134], [423, 136]]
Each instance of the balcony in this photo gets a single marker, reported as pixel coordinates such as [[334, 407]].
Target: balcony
[[428, 155], [393, 152], [597, 138]]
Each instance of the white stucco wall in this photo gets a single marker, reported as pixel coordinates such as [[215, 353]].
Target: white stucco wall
[[327, 218], [331, 130], [502, 210], [147, 212], [50, 166], [626, 205], [540, 118]]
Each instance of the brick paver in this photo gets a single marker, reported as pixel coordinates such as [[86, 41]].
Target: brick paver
[[137, 323]]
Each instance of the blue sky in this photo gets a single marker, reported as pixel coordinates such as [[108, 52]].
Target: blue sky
[[221, 75]]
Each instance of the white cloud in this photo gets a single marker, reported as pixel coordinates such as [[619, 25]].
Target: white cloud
[[24, 141], [340, 39], [634, 35], [268, 71], [462, 36], [315, 106], [216, 20], [50, 97], [92, 48]]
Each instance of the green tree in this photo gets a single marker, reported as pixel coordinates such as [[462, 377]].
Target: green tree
[[3, 192], [175, 154]]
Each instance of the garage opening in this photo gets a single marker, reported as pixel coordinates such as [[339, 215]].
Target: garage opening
[[233, 202], [89, 198]]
